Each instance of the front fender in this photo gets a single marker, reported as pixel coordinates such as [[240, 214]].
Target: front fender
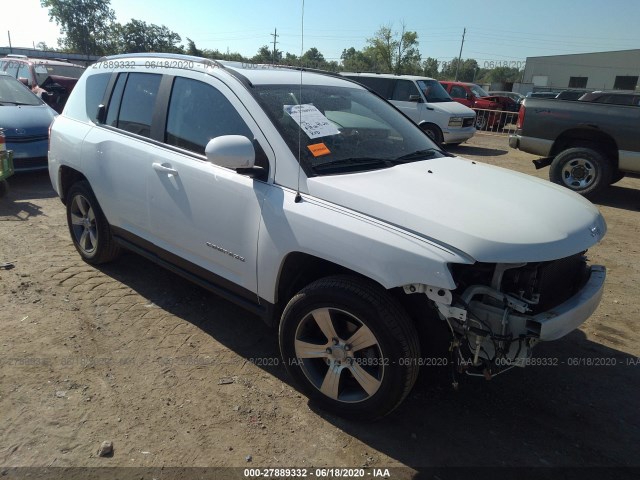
[[387, 254]]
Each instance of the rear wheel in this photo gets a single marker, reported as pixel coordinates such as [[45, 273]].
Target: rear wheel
[[349, 346], [583, 170], [90, 231]]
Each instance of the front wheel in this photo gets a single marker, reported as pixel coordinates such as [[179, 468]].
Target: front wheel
[[349, 346], [90, 231], [582, 170], [433, 133]]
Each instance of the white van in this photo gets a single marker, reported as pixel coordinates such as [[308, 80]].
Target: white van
[[424, 101]]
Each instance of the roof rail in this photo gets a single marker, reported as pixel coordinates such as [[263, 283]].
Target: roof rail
[[15, 55], [174, 56]]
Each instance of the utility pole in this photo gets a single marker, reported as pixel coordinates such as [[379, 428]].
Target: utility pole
[[274, 35], [460, 54]]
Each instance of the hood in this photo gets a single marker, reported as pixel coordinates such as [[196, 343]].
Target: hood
[[453, 107], [489, 213], [26, 119]]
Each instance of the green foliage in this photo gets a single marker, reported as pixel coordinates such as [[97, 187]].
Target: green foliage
[[467, 72], [139, 36], [87, 25], [393, 52], [430, 67], [265, 55]]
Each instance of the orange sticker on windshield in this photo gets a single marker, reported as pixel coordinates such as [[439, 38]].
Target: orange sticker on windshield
[[318, 149]]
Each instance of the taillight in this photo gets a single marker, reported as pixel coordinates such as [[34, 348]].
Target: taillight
[[520, 121], [3, 145]]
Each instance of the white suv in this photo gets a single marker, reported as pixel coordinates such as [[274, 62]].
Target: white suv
[[424, 101], [320, 207]]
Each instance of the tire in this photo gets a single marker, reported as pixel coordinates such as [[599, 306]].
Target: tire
[[583, 170], [318, 332], [454, 144], [89, 229], [434, 133], [481, 121], [4, 188]]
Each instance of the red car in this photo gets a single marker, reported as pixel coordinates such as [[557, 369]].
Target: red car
[[474, 96], [51, 80]]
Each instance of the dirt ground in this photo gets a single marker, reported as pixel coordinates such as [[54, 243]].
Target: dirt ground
[[176, 377]]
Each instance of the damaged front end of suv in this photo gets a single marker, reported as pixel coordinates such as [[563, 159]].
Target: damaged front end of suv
[[500, 311]]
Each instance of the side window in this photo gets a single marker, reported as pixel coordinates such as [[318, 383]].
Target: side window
[[458, 92], [382, 86], [404, 90], [197, 113], [138, 103], [24, 72], [96, 85]]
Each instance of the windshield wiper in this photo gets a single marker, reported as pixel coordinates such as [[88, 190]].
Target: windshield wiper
[[418, 155], [14, 103], [354, 161]]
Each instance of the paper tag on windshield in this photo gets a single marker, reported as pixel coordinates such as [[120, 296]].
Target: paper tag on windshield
[[311, 120]]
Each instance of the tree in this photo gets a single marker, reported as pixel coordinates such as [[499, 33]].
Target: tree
[[504, 75], [466, 73], [393, 52], [192, 49], [312, 58], [356, 61], [138, 36], [265, 55], [430, 67], [87, 25]]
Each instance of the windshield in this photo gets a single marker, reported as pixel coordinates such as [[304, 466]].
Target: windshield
[[433, 91], [45, 70], [12, 92], [342, 129], [478, 91]]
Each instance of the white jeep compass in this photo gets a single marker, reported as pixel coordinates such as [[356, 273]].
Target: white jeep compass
[[320, 207]]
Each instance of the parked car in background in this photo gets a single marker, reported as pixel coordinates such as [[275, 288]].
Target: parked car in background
[[570, 94], [515, 96], [474, 96], [424, 101], [52, 80], [542, 95], [588, 145], [613, 97], [25, 119]]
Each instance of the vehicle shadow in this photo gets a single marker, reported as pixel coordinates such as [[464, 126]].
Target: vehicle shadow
[[31, 185], [578, 410], [463, 150], [617, 196]]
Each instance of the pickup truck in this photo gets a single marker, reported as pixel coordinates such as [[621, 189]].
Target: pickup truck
[[589, 146]]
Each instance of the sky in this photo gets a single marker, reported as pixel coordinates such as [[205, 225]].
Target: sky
[[496, 30]]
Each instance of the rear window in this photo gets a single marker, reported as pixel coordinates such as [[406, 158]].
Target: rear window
[[46, 70]]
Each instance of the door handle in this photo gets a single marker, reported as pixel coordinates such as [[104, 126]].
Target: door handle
[[164, 169]]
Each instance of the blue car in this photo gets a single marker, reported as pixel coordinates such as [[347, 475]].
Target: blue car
[[25, 119]]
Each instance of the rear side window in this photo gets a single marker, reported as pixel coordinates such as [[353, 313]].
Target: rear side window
[[96, 86], [382, 86], [199, 112], [137, 104]]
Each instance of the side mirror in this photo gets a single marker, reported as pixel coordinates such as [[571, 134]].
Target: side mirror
[[24, 81], [231, 151], [415, 98]]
